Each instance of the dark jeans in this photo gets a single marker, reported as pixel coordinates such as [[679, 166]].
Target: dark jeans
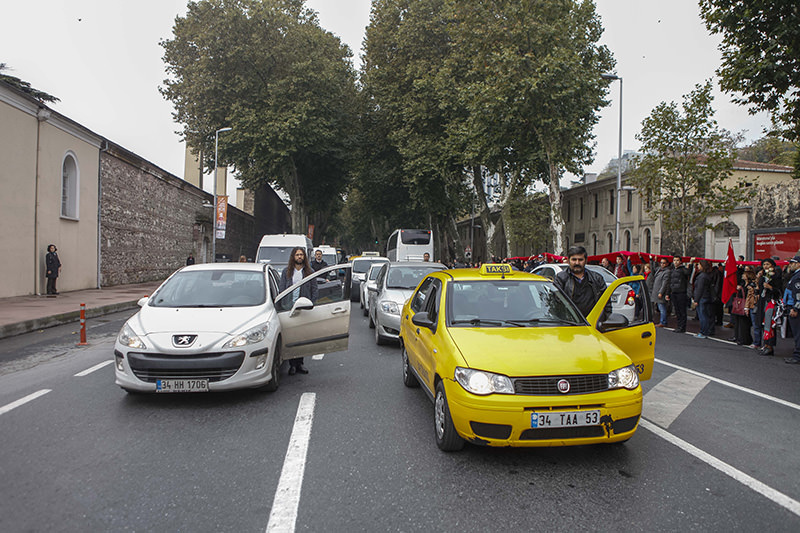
[[679, 303], [51, 286], [718, 313], [757, 329], [741, 324], [705, 312]]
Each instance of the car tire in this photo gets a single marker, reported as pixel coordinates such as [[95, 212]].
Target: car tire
[[371, 322], [132, 392], [364, 310], [273, 384], [447, 439], [409, 379], [380, 340]]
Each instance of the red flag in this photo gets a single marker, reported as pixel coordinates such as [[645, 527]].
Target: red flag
[[729, 285]]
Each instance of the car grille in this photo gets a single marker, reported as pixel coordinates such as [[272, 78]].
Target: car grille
[[547, 385], [563, 433], [211, 366]]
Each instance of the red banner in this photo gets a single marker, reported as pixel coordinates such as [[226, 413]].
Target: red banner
[[729, 283]]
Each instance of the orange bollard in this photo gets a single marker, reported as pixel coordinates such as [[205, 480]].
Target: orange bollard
[[83, 326]]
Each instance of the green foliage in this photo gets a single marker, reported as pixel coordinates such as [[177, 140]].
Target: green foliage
[[529, 220], [761, 56], [770, 149], [285, 86], [686, 163], [24, 86]]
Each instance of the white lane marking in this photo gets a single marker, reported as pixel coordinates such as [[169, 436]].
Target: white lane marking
[[778, 497], [95, 367], [732, 385], [712, 338], [22, 401], [667, 400], [318, 357], [287, 498]]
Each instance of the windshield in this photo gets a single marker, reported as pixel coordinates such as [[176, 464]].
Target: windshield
[[374, 271], [415, 236], [407, 277], [330, 259], [508, 303], [361, 266], [274, 254], [212, 288]]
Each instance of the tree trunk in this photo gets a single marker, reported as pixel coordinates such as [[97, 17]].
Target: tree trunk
[[298, 212], [489, 227], [556, 220], [457, 242]]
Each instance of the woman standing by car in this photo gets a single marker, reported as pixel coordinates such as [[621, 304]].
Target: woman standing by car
[[703, 299]]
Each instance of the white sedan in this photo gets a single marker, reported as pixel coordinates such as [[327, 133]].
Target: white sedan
[[225, 326]]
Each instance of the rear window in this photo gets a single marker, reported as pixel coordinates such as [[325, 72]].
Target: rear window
[[415, 236], [362, 265]]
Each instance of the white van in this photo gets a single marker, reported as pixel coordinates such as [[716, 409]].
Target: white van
[[275, 249], [409, 245]]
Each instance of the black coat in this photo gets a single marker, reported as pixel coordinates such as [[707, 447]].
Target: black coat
[[53, 264]]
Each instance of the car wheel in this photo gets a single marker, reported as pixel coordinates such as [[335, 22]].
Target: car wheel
[[132, 392], [409, 379], [446, 437], [380, 340], [273, 384], [364, 310], [371, 322]]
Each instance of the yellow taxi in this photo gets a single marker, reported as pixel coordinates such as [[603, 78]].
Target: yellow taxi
[[508, 360]]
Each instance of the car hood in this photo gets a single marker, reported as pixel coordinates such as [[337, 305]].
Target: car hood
[[229, 320], [535, 351], [396, 295]]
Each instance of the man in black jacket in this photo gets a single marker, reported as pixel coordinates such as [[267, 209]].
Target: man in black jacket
[[582, 286], [678, 286], [318, 262]]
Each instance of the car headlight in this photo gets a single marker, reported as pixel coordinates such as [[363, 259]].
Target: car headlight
[[623, 378], [480, 382], [390, 307], [128, 338], [251, 336]]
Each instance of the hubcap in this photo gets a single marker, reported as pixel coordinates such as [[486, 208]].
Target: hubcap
[[405, 363], [439, 415]]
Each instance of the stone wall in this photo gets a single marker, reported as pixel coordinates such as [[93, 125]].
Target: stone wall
[[776, 205], [151, 221]]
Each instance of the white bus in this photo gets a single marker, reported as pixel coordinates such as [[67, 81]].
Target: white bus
[[409, 245]]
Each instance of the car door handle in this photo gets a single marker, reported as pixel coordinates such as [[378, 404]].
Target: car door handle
[[417, 331], [646, 334], [338, 311]]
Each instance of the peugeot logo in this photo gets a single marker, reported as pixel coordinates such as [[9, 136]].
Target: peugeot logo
[[563, 386], [183, 341]]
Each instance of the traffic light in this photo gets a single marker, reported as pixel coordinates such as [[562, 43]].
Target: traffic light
[[376, 241]]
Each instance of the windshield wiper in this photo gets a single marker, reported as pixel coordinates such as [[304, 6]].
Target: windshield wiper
[[478, 322], [530, 321]]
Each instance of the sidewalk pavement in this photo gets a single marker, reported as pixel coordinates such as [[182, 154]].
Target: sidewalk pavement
[[23, 314]]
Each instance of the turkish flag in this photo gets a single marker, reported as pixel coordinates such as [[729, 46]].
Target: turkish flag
[[729, 285]]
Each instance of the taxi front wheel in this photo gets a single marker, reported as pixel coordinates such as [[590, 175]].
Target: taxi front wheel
[[409, 379], [446, 437]]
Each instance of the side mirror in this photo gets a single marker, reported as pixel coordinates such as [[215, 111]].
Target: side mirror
[[143, 301], [614, 321], [301, 304], [422, 320]]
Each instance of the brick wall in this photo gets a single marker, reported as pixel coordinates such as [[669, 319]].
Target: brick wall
[[151, 221]]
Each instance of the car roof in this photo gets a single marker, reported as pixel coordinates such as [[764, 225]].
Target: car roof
[[416, 263], [371, 259], [251, 267], [473, 274]]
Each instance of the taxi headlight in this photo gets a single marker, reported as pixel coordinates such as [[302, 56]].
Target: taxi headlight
[[623, 378], [251, 336], [128, 338], [480, 382], [390, 307]]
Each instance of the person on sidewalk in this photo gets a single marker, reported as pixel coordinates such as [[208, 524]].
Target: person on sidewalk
[[190, 260], [751, 303], [771, 289], [620, 270], [661, 289], [703, 299], [679, 290], [53, 267], [791, 299], [297, 269]]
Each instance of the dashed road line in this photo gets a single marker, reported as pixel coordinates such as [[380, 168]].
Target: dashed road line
[[95, 367], [776, 496], [732, 385], [287, 497], [23, 401]]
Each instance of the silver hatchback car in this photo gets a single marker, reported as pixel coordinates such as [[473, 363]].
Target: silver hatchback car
[[394, 285]]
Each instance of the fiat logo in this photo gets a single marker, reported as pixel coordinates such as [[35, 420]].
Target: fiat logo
[[563, 386], [183, 341]]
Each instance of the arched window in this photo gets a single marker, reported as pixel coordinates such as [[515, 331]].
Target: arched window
[[726, 230], [610, 239], [627, 241], [70, 179], [646, 239]]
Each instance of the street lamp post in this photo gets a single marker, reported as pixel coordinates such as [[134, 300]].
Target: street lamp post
[[619, 153], [214, 216]]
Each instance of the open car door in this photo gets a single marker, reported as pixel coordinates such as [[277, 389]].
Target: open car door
[[637, 337], [320, 326]]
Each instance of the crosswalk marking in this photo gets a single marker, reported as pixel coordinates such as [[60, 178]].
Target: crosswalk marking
[[667, 400]]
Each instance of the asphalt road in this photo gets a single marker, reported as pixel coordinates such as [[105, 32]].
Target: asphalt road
[[86, 456]]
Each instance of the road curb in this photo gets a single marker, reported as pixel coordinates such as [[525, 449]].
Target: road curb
[[26, 326]]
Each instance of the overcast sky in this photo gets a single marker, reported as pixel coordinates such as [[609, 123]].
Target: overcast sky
[[102, 59]]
